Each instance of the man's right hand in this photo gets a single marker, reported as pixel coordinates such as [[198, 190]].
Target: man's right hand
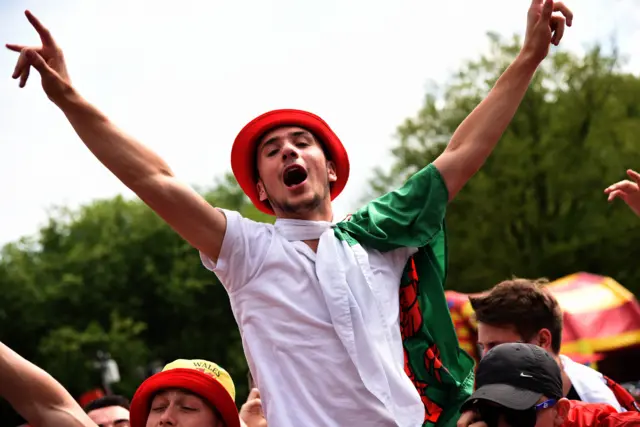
[[627, 190], [47, 59]]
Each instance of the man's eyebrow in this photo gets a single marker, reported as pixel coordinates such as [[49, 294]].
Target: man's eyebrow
[[268, 142], [271, 140], [275, 139]]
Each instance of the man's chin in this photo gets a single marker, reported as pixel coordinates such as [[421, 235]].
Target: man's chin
[[298, 204]]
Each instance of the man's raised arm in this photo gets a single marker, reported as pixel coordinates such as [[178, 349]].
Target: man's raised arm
[[478, 134], [36, 395], [139, 168]]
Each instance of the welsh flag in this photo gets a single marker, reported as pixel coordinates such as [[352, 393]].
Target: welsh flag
[[413, 216]]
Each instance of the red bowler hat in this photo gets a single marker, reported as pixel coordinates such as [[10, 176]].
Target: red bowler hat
[[243, 152]]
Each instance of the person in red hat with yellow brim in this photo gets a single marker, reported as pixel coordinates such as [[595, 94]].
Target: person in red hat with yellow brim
[[186, 393], [317, 301]]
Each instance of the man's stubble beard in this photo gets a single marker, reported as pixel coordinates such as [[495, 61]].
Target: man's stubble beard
[[302, 207]]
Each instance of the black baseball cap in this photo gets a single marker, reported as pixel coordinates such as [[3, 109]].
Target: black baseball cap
[[516, 376]]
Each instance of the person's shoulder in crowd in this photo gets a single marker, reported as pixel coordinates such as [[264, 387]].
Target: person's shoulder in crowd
[[589, 384], [584, 414]]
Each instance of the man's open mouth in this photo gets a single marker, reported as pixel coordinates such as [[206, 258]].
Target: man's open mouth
[[294, 175]]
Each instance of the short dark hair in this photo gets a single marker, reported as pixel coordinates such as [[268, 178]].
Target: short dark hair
[[524, 304], [106, 401]]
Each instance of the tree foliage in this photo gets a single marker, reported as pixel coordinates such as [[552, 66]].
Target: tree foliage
[[536, 209], [113, 277]]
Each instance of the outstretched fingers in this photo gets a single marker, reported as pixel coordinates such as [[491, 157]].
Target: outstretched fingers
[[23, 66], [29, 58], [625, 186], [45, 36], [618, 194], [43, 32], [18, 47], [634, 176], [24, 76], [21, 63]]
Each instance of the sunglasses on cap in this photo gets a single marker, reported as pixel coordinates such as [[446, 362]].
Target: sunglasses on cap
[[491, 414]]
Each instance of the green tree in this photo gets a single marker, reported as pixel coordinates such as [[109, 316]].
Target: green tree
[[536, 209], [112, 276]]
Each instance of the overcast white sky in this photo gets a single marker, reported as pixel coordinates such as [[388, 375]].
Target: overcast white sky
[[185, 76]]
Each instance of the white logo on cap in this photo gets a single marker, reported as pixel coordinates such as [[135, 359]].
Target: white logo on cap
[[522, 374]]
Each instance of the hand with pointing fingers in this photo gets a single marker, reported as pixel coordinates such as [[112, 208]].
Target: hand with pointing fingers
[[627, 190], [47, 59], [546, 23], [251, 412]]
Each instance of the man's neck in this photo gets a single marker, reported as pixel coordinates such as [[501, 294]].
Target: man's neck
[[313, 244], [314, 215], [566, 381]]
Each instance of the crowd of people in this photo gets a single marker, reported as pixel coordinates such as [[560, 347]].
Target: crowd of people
[[343, 323], [522, 373]]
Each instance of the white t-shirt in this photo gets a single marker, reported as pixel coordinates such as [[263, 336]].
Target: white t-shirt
[[589, 383], [305, 375]]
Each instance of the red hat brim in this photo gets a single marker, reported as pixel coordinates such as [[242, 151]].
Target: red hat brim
[[243, 152], [191, 380]]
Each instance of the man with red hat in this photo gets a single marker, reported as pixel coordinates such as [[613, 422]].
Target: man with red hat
[[186, 393], [317, 302]]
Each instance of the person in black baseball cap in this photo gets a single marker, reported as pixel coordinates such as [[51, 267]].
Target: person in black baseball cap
[[517, 385]]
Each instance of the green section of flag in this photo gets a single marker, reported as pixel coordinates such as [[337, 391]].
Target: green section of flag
[[413, 216]]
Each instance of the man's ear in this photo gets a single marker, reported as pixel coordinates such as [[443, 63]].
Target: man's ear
[[544, 339], [331, 171], [562, 411], [262, 194]]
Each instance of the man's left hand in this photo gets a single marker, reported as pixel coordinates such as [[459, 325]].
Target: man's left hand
[[546, 22]]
